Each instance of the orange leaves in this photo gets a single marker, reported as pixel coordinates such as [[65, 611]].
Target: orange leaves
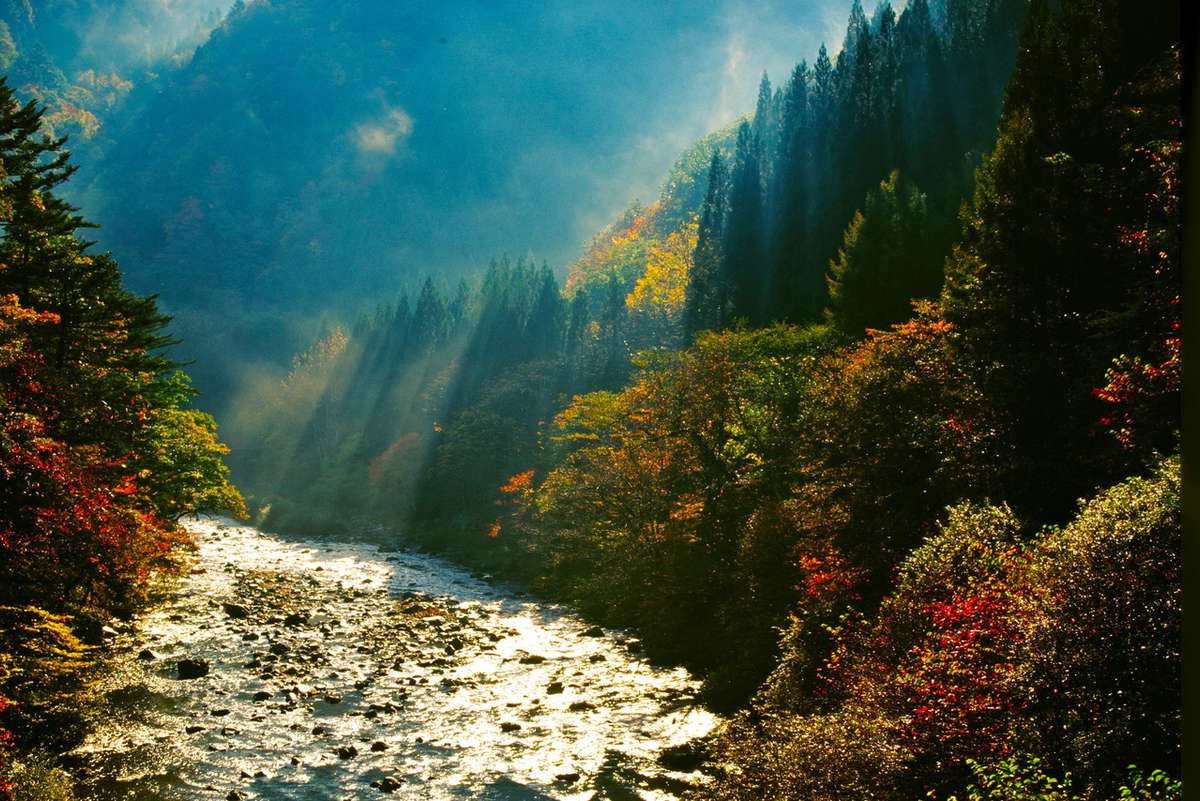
[[519, 484]]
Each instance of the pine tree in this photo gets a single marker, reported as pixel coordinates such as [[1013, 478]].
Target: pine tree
[[703, 304], [544, 328], [889, 257], [743, 285]]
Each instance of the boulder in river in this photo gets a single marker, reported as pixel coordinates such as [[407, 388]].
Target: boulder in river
[[388, 784], [347, 752], [146, 655], [685, 757], [236, 611], [191, 668], [594, 631], [509, 726], [296, 619], [532, 659], [554, 688]]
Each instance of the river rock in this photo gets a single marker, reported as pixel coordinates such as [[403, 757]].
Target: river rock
[[146, 655], [236, 611], [347, 752], [685, 757], [389, 784], [379, 745], [509, 726], [262, 695], [532, 659], [554, 688], [191, 668], [296, 619], [594, 631]]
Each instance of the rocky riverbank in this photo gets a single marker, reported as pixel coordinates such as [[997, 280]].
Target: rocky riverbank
[[282, 670]]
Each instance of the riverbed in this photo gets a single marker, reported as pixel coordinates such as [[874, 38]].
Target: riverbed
[[340, 671]]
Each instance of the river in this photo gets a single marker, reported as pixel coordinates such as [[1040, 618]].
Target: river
[[340, 671]]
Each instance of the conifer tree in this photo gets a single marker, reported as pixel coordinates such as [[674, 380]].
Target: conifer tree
[[704, 300], [889, 256]]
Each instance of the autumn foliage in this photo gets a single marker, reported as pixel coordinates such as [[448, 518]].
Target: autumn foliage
[[99, 455]]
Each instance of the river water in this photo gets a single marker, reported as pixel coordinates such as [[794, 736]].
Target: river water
[[345, 672]]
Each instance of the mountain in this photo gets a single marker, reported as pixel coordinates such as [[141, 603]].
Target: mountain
[[314, 156]]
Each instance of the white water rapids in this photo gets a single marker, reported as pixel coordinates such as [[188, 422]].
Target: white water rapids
[[357, 674]]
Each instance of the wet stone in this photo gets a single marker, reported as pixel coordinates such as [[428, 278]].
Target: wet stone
[[191, 668], [236, 611], [370, 670]]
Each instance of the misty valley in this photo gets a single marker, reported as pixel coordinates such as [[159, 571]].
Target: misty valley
[[497, 400]]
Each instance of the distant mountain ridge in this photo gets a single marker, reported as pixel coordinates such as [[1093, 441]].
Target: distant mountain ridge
[[314, 156]]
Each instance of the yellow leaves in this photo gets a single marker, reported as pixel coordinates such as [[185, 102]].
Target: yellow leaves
[[688, 508], [663, 284], [619, 250]]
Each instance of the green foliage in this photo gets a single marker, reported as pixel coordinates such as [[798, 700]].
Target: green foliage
[[1102, 646], [973, 545], [1157, 786], [890, 255], [851, 752], [1022, 778], [40, 656], [184, 474], [1017, 778], [34, 777]]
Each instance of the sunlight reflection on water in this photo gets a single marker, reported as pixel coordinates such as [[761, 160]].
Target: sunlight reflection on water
[[398, 673]]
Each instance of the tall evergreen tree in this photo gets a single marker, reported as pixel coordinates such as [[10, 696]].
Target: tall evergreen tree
[[704, 303], [743, 263], [889, 256]]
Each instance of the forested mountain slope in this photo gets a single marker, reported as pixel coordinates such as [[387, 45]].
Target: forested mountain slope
[[888, 471], [419, 415], [315, 156]]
